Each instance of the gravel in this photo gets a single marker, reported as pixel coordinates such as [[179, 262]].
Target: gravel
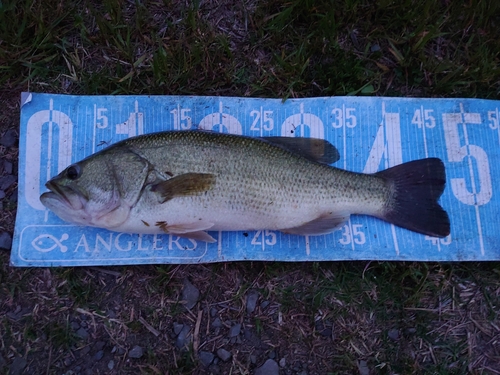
[[17, 366], [270, 367], [184, 337], [363, 368], [7, 181], [206, 358], [5, 240], [136, 352], [82, 333], [190, 294], [393, 334], [98, 356], [7, 167], [235, 330], [178, 328], [9, 138], [224, 354], [252, 298]]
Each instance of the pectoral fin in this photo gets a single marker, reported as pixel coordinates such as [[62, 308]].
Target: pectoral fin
[[183, 185], [193, 230], [322, 225], [314, 149]]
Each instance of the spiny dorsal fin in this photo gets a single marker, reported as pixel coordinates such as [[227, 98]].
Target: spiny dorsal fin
[[314, 149], [183, 185]]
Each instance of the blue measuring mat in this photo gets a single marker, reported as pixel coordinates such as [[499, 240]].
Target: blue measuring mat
[[371, 134]]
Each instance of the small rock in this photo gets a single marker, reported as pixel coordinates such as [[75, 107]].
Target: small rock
[[2, 194], [252, 298], [5, 240], [327, 332], [9, 138], [84, 351], [190, 294], [235, 330], [213, 312], [264, 304], [74, 325], [178, 328], [363, 368], [410, 331], [121, 351], [206, 358], [224, 354], [111, 364], [270, 367], [82, 333], [375, 48], [13, 196], [217, 323], [253, 358], [7, 181], [184, 337], [17, 366], [272, 354], [282, 362], [98, 356], [99, 345], [7, 167], [136, 352], [393, 334]]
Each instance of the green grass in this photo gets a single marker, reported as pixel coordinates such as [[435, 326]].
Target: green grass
[[445, 315], [279, 49]]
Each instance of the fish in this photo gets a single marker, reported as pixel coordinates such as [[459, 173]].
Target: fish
[[188, 182]]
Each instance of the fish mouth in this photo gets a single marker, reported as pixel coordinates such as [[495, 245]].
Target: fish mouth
[[65, 194]]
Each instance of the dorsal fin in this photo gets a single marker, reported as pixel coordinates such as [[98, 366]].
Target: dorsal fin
[[314, 149]]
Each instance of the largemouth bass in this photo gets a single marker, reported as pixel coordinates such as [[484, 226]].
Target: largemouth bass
[[188, 182]]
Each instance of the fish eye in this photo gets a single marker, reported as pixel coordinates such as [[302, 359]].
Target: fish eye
[[73, 172]]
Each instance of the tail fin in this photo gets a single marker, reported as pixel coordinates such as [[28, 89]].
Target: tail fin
[[416, 187]]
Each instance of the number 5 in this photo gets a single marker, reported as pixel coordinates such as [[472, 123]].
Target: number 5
[[456, 153]]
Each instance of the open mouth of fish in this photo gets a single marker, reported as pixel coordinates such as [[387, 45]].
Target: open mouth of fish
[[66, 195]]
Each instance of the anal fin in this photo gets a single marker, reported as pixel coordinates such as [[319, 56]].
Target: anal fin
[[324, 224]]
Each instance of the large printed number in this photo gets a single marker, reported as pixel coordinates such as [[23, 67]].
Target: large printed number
[[423, 117], [262, 120], [357, 235], [182, 120], [101, 120], [264, 237], [344, 116], [481, 194]]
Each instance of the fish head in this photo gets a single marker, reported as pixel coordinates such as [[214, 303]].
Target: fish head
[[97, 191]]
